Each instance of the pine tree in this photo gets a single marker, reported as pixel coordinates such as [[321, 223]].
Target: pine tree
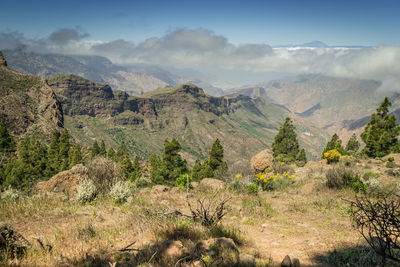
[[95, 149], [127, 168], [111, 154], [7, 143], [352, 145], [156, 169], [122, 151], [102, 150], [286, 145], [64, 147], [196, 171], [334, 143], [301, 158], [380, 134], [216, 155], [75, 155], [173, 163]]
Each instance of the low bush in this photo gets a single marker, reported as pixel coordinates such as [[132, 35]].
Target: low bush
[[277, 177], [341, 177], [86, 192], [120, 192], [103, 173], [182, 181], [252, 189], [332, 156], [10, 194]]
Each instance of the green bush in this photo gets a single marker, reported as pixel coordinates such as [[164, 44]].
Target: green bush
[[182, 180], [252, 189], [342, 177]]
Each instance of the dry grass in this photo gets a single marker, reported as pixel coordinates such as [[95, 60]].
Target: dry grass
[[306, 220]]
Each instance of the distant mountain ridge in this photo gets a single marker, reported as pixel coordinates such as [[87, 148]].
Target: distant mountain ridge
[[134, 79]]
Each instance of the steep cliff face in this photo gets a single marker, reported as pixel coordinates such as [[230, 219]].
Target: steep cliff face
[[27, 102], [83, 97]]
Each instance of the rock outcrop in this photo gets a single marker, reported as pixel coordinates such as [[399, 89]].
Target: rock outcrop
[[64, 182], [212, 184], [261, 161], [27, 101]]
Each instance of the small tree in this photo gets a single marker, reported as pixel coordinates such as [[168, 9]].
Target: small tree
[[301, 158], [352, 145], [334, 144], [75, 155], [380, 134], [122, 151], [7, 143], [173, 163], [95, 149], [102, 149], [286, 145]]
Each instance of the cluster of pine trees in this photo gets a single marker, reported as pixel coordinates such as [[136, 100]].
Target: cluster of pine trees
[[30, 161], [170, 166], [380, 136]]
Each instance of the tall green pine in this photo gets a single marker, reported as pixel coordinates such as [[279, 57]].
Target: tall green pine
[[286, 145], [352, 145], [380, 134], [334, 143]]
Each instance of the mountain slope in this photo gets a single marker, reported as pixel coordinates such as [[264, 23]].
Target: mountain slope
[[27, 102], [244, 125], [326, 102]]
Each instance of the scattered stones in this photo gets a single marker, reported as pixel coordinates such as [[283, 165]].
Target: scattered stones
[[261, 161], [212, 184], [12, 241]]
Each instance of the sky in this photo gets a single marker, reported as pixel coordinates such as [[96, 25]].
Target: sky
[[223, 37]]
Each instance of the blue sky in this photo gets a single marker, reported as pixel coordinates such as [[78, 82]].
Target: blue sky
[[350, 22]]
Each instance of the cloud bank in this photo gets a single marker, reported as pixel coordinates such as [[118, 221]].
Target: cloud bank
[[203, 49]]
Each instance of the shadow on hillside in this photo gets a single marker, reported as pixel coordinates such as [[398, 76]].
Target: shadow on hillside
[[349, 256]]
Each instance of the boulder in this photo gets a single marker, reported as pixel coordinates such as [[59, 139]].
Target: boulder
[[295, 262], [261, 161], [172, 249], [247, 260], [194, 185], [286, 262], [11, 241], [64, 182], [212, 184]]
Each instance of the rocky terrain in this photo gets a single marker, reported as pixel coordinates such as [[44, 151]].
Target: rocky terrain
[[27, 102]]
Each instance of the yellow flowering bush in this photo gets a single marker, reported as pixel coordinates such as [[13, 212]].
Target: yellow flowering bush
[[239, 176], [333, 156], [278, 176]]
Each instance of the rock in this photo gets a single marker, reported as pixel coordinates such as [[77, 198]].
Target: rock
[[208, 246], [286, 262], [172, 249], [295, 262], [194, 184], [64, 182], [159, 189], [261, 161], [12, 241], [247, 260], [212, 184]]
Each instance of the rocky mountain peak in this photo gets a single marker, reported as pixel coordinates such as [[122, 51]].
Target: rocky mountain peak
[[3, 61]]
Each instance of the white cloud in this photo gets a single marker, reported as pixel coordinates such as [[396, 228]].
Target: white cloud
[[202, 49]]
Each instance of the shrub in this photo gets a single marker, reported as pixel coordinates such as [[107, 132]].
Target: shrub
[[10, 194], [391, 159], [252, 189], [86, 192], [182, 180], [332, 156], [390, 164], [377, 219], [142, 182], [104, 174], [279, 176], [341, 177], [120, 192]]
